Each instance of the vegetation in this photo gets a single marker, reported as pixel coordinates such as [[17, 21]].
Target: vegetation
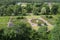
[[29, 21], [29, 9], [23, 29], [55, 33]]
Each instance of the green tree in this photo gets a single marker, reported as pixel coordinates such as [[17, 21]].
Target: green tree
[[41, 34], [17, 10], [29, 8], [22, 31], [55, 33], [47, 10], [54, 9], [37, 8], [35, 12]]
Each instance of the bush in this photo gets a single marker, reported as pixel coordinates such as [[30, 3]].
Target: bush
[[21, 17], [21, 31], [49, 16]]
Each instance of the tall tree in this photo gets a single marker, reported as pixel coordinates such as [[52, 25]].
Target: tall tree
[[54, 9], [55, 33]]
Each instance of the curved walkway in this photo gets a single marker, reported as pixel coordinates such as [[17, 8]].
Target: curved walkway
[[50, 26]]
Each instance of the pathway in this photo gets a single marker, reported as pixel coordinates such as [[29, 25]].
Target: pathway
[[34, 25], [10, 23]]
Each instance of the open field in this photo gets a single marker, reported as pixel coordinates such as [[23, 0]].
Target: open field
[[5, 19], [29, 19], [29, 25]]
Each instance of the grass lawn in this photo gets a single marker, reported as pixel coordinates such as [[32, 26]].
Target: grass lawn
[[4, 20]]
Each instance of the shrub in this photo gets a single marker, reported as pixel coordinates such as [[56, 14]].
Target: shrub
[[21, 17]]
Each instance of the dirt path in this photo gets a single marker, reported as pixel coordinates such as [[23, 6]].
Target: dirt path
[[10, 23], [34, 25], [50, 26], [45, 21]]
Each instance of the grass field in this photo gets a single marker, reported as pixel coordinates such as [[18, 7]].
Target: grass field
[[4, 20]]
